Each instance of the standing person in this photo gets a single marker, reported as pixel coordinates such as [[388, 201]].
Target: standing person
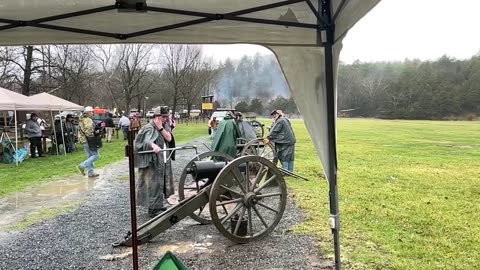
[[154, 168], [124, 124], [135, 124], [282, 135], [69, 134], [87, 129], [34, 134], [109, 127], [213, 126], [225, 139]]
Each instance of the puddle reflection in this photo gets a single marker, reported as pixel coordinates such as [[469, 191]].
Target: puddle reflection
[[16, 207]]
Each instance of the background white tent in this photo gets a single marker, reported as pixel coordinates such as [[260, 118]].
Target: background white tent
[[55, 103], [12, 101], [305, 35]]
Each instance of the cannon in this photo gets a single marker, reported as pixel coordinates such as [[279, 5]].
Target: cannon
[[244, 198]]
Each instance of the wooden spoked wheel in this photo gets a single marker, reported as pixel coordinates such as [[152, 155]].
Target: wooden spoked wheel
[[258, 148], [254, 192], [188, 187]]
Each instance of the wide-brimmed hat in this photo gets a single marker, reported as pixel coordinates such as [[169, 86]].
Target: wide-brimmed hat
[[161, 111], [276, 112]]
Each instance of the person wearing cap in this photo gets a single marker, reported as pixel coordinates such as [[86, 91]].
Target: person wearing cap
[[155, 167], [282, 135], [225, 139], [34, 134], [87, 129]]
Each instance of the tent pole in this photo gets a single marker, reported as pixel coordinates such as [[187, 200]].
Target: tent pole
[[325, 12], [63, 137], [16, 137], [54, 133]]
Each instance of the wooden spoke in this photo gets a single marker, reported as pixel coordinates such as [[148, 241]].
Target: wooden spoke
[[239, 221], [235, 210], [268, 207], [230, 202], [260, 216], [269, 195]]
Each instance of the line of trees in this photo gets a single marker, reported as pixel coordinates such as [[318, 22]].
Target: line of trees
[[442, 89], [143, 75], [111, 76]]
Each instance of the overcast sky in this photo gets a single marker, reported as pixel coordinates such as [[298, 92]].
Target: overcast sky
[[399, 29]]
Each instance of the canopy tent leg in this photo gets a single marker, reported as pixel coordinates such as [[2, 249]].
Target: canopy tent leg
[[63, 137], [54, 133], [329, 26], [16, 137]]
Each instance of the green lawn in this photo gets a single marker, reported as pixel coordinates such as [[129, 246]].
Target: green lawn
[[33, 171], [409, 193]]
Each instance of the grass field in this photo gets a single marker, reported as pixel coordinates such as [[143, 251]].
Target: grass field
[[33, 171], [409, 193]]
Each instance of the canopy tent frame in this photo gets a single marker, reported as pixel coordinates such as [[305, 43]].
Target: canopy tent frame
[[326, 38], [204, 18]]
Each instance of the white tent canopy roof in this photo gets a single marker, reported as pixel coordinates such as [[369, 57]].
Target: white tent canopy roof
[[12, 101], [55, 103]]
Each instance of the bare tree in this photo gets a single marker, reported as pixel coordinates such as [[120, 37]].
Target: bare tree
[[201, 77], [106, 83], [133, 69], [7, 77], [27, 64], [180, 60]]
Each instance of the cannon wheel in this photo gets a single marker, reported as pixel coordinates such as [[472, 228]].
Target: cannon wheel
[[258, 148], [186, 181], [258, 127], [259, 202]]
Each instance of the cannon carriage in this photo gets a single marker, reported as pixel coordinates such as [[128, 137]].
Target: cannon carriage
[[243, 196]]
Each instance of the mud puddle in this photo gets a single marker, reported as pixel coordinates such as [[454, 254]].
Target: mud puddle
[[16, 207]]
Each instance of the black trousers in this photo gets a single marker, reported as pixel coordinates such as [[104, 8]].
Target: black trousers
[[36, 143]]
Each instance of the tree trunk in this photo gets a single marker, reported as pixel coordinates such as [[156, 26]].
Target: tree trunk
[[28, 71]]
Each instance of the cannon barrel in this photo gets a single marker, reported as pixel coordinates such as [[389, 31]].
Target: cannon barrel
[[209, 169], [206, 169]]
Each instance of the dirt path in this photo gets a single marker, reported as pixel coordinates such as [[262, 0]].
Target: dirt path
[[82, 239]]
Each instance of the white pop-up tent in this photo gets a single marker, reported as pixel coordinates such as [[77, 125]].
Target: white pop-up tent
[[305, 35], [54, 103], [12, 101]]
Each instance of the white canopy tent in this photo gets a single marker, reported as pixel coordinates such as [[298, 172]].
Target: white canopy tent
[[55, 103], [12, 101], [305, 35]]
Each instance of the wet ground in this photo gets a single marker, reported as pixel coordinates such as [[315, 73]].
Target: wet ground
[[82, 239]]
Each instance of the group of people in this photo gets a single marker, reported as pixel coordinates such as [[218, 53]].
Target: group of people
[[63, 133], [233, 127]]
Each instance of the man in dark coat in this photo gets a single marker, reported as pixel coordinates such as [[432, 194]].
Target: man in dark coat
[[225, 139], [154, 168], [281, 134]]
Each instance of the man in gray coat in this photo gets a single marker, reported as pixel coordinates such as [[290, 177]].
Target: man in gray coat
[[281, 134], [155, 182], [34, 134]]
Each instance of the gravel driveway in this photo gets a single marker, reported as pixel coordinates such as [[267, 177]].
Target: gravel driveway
[[82, 239]]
